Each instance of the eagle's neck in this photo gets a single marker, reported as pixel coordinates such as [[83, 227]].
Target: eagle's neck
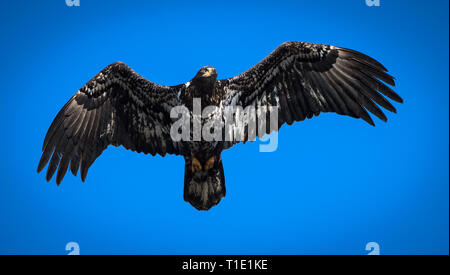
[[203, 89]]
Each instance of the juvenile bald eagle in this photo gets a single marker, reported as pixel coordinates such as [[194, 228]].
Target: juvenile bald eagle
[[120, 107]]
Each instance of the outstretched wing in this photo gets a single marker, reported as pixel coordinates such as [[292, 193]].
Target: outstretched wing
[[117, 107], [304, 80]]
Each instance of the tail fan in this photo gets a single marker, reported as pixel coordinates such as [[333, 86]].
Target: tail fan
[[204, 185]]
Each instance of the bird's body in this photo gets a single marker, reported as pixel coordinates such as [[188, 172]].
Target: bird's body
[[119, 107]]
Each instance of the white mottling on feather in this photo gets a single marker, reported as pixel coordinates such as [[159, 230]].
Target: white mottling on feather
[[147, 134], [110, 125], [158, 130]]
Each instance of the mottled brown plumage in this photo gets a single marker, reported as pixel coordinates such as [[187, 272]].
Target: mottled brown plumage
[[119, 107]]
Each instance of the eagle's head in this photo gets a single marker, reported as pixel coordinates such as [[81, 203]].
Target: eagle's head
[[205, 79], [207, 72], [203, 84]]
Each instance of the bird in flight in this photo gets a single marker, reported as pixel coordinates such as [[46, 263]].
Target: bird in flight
[[121, 108]]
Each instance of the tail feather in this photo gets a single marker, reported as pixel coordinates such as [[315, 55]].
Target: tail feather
[[204, 189]]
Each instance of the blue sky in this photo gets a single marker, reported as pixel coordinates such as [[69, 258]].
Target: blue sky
[[333, 185]]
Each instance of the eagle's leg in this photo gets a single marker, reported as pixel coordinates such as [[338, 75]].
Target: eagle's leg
[[204, 181]]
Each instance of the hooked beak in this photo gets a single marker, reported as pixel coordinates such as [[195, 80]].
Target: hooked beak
[[210, 72]]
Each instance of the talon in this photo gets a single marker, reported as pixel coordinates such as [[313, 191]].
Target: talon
[[209, 163], [196, 166]]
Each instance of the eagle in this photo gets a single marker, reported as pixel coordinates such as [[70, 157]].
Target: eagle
[[120, 107]]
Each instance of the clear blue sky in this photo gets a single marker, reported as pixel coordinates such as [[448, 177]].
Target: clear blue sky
[[333, 185]]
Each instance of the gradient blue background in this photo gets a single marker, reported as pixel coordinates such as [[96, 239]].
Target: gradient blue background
[[333, 185]]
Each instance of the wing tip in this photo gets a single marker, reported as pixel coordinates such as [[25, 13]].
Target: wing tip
[[40, 168], [48, 177], [399, 99], [369, 121]]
